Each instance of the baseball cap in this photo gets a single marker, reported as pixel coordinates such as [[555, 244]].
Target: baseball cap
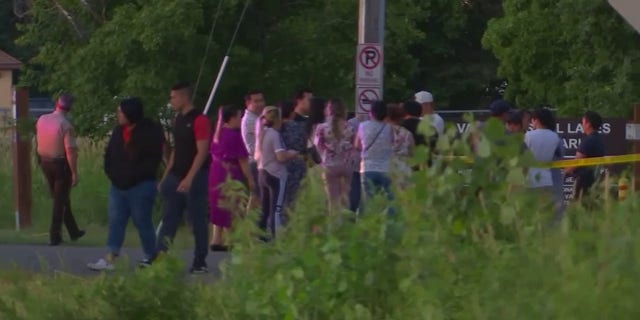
[[423, 97], [499, 107], [65, 101]]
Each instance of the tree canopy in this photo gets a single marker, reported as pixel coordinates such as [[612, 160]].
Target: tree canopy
[[570, 54], [99, 50]]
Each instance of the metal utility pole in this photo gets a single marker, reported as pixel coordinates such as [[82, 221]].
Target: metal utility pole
[[370, 54]]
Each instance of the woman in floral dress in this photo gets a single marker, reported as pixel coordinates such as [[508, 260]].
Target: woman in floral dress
[[334, 141], [403, 144]]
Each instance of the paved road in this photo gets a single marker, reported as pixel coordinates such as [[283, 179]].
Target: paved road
[[73, 260]]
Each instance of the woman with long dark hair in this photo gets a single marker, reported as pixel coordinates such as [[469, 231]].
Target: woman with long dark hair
[[334, 141], [229, 160]]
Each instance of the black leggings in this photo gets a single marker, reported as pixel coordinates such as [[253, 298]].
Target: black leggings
[[272, 195]]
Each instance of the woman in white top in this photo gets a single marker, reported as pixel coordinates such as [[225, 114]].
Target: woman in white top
[[545, 145], [271, 156], [375, 142], [334, 141]]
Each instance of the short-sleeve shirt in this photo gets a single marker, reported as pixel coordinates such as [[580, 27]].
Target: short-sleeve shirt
[[377, 146], [270, 145], [54, 134], [592, 146], [438, 123], [334, 151], [248, 129], [543, 144]]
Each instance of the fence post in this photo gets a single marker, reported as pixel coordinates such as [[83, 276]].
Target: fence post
[[21, 158]]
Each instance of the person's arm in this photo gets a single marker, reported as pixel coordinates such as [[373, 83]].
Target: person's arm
[[274, 140], [248, 133], [244, 166], [286, 155], [71, 151], [357, 143], [202, 130], [107, 153], [581, 153]]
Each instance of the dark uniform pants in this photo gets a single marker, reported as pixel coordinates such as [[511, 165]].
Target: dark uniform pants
[[58, 175]]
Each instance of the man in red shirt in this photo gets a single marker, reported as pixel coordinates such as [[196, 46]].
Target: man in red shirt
[[185, 182]]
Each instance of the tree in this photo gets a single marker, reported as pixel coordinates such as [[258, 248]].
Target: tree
[[98, 50], [571, 54]]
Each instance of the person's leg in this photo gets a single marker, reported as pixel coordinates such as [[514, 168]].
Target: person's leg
[[49, 172], [332, 188], [173, 205], [141, 199], [61, 190], [265, 200], [254, 196], [119, 211], [69, 221], [344, 180], [197, 211], [384, 182], [279, 186], [355, 191]]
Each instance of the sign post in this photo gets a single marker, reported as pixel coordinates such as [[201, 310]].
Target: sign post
[[21, 159], [369, 55]]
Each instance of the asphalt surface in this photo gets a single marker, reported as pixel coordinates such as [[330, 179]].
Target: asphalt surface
[[73, 260]]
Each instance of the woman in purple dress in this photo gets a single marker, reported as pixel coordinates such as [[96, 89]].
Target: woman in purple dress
[[229, 160]]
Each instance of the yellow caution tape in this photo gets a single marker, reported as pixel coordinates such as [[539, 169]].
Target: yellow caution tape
[[570, 163], [585, 162]]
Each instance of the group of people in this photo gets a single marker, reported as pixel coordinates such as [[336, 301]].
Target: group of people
[[544, 143], [267, 148]]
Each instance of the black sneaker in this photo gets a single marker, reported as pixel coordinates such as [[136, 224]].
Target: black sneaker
[[78, 235], [199, 267], [55, 240]]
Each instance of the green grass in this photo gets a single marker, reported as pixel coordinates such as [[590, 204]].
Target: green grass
[[89, 202]]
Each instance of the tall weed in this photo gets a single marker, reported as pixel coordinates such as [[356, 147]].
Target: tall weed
[[477, 246]]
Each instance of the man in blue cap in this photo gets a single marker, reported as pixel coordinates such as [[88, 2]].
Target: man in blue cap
[[58, 156]]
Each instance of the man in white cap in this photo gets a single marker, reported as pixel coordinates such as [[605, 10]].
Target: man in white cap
[[425, 99]]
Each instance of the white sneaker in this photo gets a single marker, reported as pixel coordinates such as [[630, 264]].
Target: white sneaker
[[101, 265]]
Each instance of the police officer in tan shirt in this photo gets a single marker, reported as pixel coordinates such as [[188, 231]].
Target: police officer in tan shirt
[[57, 155]]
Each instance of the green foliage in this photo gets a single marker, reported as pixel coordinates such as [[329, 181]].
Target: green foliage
[[484, 250], [572, 54], [141, 47]]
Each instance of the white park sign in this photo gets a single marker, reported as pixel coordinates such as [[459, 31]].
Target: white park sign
[[629, 10]]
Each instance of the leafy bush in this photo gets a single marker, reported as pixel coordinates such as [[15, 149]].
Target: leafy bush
[[458, 248]]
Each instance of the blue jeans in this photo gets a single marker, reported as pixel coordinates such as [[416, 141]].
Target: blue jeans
[[377, 182], [136, 202], [195, 202], [355, 192]]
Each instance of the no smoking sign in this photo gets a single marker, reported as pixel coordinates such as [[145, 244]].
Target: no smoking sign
[[369, 65], [365, 96]]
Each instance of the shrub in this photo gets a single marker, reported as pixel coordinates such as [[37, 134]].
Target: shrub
[[458, 248]]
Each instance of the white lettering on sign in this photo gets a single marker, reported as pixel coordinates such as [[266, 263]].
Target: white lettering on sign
[[571, 143], [576, 128], [462, 127]]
